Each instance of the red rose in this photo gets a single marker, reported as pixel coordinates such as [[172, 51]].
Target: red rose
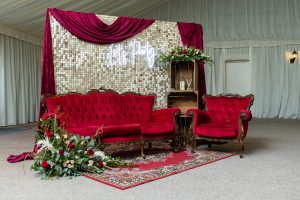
[[48, 115], [70, 145], [183, 51], [61, 152], [91, 152], [49, 134], [100, 164], [45, 128], [45, 164]]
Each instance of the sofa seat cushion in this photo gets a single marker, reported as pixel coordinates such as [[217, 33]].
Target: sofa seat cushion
[[216, 131], [157, 128], [84, 131], [121, 130], [108, 131], [120, 139]]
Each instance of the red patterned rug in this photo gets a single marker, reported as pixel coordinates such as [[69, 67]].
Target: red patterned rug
[[159, 163]]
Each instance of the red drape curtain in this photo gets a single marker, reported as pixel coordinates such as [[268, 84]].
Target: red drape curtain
[[192, 35]]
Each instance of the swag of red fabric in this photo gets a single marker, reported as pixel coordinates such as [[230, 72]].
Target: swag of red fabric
[[88, 27]]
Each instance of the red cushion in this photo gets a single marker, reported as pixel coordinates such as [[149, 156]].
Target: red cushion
[[216, 131], [108, 131], [121, 130], [157, 128]]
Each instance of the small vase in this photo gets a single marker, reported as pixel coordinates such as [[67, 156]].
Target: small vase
[[182, 85]]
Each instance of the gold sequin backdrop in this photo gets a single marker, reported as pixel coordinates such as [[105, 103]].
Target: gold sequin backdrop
[[126, 66]]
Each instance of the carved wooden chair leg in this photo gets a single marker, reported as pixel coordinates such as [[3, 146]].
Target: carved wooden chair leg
[[241, 148], [142, 149], [194, 143]]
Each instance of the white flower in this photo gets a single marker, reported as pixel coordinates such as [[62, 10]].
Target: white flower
[[91, 162], [72, 162], [70, 166], [65, 136], [99, 154], [66, 163], [46, 145]]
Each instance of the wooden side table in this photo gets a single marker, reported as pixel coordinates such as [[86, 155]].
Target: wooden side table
[[183, 123]]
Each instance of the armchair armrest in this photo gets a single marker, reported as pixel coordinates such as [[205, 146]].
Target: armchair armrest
[[199, 117], [165, 115], [245, 115]]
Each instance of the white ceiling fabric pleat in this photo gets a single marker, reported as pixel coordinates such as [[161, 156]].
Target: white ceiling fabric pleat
[[28, 15]]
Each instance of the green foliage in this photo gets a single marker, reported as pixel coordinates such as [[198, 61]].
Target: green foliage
[[179, 54], [61, 154]]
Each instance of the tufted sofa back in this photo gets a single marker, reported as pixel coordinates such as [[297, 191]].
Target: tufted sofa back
[[101, 108], [225, 110], [133, 108]]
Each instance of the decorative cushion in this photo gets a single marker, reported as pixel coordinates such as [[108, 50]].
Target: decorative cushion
[[157, 128], [216, 131]]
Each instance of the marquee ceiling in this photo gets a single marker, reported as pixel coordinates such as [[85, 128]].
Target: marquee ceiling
[[28, 15]]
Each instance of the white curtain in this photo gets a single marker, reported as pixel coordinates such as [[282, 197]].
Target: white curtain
[[6, 30], [264, 32], [20, 69]]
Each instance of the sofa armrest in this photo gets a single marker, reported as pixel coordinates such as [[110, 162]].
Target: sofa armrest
[[245, 115], [60, 119], [199, 117], [165, 115]]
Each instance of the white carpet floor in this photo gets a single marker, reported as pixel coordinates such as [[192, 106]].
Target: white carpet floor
[[269, 171]]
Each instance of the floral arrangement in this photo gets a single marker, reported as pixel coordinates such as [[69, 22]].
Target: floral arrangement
[[63, 154], [181, 53]]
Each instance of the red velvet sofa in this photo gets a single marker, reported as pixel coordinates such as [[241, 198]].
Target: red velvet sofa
[[125, 117]]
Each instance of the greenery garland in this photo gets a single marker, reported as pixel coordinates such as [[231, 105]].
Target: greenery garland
[[180, 53]]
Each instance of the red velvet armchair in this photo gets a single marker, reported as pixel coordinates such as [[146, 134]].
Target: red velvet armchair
[[225, 118]]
